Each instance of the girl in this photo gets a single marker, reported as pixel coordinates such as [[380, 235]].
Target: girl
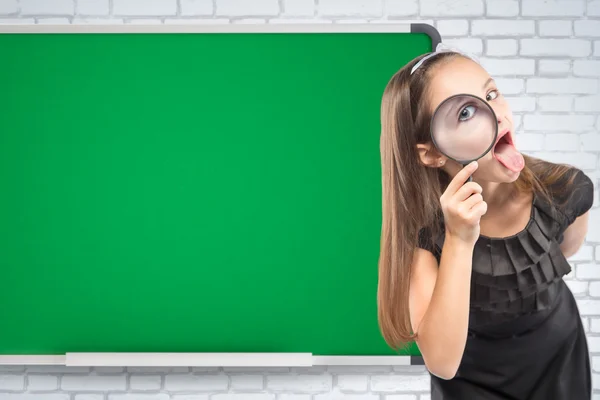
[[472, 271]]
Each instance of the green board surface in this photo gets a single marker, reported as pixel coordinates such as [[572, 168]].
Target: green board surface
[[193, 192]]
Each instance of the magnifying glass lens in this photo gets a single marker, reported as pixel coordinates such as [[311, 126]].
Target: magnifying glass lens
[[464, 128]]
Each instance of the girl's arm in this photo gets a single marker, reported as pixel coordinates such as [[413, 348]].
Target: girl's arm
[[439, 305]]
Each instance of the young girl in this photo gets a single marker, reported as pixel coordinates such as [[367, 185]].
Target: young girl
[[472, 272]]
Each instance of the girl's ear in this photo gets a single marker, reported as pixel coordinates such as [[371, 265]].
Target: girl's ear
[[429, 156]]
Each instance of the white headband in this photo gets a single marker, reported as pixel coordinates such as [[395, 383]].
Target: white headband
[[442, 48]]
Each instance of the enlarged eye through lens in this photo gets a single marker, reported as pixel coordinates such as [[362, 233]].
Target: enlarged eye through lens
[[467, 113]]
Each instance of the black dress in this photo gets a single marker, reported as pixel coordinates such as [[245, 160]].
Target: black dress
[[525, 338]]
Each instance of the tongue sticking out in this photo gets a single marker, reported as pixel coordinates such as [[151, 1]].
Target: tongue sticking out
[[508, 156]]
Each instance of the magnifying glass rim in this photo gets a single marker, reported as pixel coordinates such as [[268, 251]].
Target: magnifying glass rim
[[495, 127]]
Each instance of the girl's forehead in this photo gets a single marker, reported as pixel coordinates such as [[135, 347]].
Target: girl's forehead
[[457, 76]]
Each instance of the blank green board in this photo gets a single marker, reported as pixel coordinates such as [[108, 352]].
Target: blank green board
[[193, 192]]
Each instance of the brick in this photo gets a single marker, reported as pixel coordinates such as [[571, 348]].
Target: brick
[[352, 383], [196, 7], [502, 27], [587, 27], [517, 119], [453, 27], [16, 21], [93, 382], [552, 8], [12, 368], [594, 289], [529, 141], [498, 66], [351, 21], [462, 8], [145, 382], [144, 7], [401, 397], [34, 396], [335, 396], [594, 344], [593, 236], [597, 48], [587, 103], [109, 370], [243, 396], [555, 103], [247, 382], [562, 142], [399, 383], [593, 8], [299, 21], [139, 396], [41, 383], [356, 8], [588, 271], [9, 382], [585, 253], [466, 45], [93, 7], [556, 47], [596, 363], [502, 8], [238, 8], [425, 397], [252, 370], [586, 68], [562, 85], [501, 47], [158, 370], [549, 122], [294, 397], [401, 8], [521, 103], [410, 369], [299, 8], [591, 142], [8, 7], [54, 7], [89, 396], [556, 28], [577, 287], [185, 383], [510, 86], [143, 21], [578, 159], [554, 67], [595, 325], [304, 383], [190, 397]]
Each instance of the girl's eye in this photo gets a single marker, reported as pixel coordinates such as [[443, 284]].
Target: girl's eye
[[467, 113], [492, 95]]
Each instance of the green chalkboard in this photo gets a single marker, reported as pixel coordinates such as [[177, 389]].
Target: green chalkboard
[[193, 192]]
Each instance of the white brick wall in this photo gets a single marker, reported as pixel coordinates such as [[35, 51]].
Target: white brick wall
[[545, 56]]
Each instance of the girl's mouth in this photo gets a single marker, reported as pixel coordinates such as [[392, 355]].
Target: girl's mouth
[[506, 153]]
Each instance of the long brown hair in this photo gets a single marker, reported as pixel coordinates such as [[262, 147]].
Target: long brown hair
[[411, 191]]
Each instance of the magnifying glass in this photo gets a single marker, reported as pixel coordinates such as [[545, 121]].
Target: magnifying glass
[[464, 128]]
